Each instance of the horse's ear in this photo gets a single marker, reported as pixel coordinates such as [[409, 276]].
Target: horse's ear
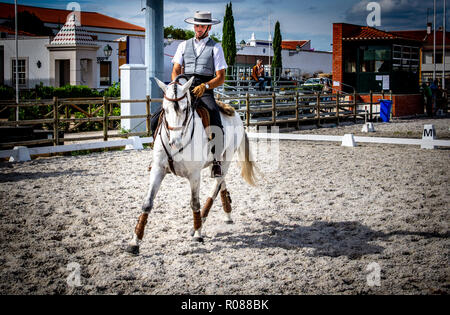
[[161, 85], [188, 84]]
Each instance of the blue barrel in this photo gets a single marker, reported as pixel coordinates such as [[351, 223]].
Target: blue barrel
[[385, 110]]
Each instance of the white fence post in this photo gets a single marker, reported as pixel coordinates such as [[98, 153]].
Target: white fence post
[[132, 87]]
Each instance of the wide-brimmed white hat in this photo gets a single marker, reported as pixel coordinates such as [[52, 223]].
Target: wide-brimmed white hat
[[202, 18]]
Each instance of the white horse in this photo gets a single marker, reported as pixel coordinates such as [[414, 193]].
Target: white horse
[[181, 135]]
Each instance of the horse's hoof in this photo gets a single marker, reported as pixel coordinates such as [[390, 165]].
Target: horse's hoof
[[192, 232], [229, 221], [198, 239], [132, 249]]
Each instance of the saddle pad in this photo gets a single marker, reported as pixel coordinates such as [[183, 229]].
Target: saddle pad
[[225, 108]]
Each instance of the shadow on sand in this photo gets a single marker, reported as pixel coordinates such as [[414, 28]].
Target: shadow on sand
[[332, 239], [18, 176]]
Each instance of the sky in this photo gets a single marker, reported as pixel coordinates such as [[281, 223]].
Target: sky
[[299, 19]]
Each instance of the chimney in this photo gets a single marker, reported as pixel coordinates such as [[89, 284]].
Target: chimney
[[429, 28]]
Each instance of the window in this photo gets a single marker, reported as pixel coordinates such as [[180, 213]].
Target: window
[[105, 73], [438, 57], [373, 59], [21, 71], [405, 58]]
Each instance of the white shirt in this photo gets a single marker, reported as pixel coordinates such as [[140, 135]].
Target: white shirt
[[219, 58]]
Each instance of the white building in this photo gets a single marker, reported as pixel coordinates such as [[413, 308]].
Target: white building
[[76, 55], [296, 54]]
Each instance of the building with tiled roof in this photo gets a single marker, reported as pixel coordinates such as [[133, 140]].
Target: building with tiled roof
[[87, 48], [368, 59], [55, 18], [298, 58], [296, 44]]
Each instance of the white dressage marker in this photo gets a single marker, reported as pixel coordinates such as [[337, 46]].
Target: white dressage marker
[[348, 140], [428, 136], [368, 127], [20, 154], [136, 144]]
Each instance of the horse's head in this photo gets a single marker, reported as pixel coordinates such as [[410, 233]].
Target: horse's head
[[176, 106]]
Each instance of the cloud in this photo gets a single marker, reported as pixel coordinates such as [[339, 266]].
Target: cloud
[[396, 14]]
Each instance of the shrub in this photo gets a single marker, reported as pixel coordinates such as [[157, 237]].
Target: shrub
[[7, 92]]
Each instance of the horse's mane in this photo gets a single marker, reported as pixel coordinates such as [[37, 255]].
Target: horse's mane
[[182, 79]]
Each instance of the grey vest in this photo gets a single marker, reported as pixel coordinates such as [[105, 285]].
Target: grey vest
[[202, 64]]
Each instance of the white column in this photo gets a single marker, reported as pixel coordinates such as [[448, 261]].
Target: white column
[[132, 87]]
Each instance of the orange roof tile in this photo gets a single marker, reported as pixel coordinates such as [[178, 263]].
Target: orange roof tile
[[365, 32], [422, 36], [10, 31], [292, 44], [57, 16]]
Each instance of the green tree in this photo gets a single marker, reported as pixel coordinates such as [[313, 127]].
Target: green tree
[[276, 61], [229, 36], [178, 33]]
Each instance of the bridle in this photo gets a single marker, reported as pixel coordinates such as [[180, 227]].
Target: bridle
[[188, 117]]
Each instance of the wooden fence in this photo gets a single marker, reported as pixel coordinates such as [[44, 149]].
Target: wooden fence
[[257, 110], [295, 108], [57, 118]]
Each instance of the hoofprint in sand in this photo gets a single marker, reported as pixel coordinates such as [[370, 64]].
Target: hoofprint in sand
[[324, 222]]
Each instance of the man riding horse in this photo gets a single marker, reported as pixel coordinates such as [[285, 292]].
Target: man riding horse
[[204, 59]]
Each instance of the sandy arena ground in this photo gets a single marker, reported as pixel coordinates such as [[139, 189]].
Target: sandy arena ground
[[322, 223]]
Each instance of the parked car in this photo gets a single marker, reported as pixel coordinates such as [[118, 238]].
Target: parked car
[[315, 84]]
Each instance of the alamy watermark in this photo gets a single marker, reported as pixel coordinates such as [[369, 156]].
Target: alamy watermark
[[374, 276], [74, 278], [76, 8], [374, 17]]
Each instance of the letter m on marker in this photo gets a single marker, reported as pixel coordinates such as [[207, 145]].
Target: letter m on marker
[[428, 132]]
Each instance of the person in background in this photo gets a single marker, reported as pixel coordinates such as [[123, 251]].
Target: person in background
[[434, 87], [428, 99], [258, 74], [326, 87]]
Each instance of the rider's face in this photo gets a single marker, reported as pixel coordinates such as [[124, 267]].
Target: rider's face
[[200, 30]]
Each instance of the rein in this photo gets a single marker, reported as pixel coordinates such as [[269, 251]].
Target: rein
[[183, 127]]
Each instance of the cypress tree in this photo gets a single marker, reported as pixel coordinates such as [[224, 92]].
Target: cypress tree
[[229, 36], [276, 62]]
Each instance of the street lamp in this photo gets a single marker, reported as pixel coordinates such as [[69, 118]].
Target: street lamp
[[169, 40], [107, 51], [242, 45]]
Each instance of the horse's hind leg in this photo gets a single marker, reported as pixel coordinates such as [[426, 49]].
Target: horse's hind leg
[[218, 187], [209, 202], [226, 203], [156, 176]]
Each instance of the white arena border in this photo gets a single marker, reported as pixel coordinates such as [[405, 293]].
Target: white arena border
[[19, 154], [428, 141], [281, 136]]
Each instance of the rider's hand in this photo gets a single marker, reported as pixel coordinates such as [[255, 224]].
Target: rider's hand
[[199, 90]]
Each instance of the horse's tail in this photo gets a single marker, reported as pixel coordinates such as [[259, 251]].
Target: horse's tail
[[248, 167]]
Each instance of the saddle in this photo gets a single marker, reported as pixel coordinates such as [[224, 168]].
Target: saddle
[[204, 116]]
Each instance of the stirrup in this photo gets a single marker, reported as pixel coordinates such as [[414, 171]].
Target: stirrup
[[216, 170]]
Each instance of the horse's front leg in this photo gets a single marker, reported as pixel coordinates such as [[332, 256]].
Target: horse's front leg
[[156, 177], [194, 180]]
